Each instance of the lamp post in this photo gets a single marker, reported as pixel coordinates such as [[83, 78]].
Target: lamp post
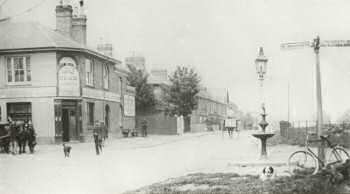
[[261, 67]]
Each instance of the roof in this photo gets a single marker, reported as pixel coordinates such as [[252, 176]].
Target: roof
[[32, 36], [211, 95]]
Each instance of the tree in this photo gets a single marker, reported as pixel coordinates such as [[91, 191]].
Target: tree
[[182, 93], [144, 98]]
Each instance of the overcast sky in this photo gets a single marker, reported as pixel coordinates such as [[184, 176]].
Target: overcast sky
[[220, 38]]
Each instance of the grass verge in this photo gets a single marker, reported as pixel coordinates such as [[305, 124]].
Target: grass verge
[[232, 183]]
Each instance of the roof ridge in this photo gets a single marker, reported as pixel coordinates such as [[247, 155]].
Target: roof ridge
[[40, 27]]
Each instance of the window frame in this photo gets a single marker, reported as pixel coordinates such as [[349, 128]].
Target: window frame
[[26, 73], [89, 76], [26, 113], [90, 110], [105, 76]]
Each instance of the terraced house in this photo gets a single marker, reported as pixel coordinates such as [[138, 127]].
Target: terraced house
[[53, 79]]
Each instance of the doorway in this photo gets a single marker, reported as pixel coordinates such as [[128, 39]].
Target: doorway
[[69, 121], [69, 124]]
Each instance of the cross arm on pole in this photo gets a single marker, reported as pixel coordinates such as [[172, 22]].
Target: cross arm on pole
[[295, 45], [335, 43]]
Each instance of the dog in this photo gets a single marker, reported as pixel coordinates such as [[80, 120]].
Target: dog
[[66, 150], [268, 173]]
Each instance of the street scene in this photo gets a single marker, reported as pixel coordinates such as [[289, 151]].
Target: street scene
[[131, 163], [174, 97]]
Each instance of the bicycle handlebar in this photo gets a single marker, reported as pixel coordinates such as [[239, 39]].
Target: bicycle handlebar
[[323, 138]]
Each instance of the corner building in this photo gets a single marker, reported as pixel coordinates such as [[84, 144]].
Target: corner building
[[53, 79]]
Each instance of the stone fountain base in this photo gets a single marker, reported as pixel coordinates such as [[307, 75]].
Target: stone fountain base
[[263, 136]]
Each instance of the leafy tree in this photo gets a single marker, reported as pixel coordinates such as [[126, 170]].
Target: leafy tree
[[144, 98], [182, 93]]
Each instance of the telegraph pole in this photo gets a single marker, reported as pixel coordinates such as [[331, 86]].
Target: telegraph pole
[[288, 104], [321, 151]]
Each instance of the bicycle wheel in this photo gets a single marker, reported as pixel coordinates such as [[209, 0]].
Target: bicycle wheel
[[338, 155], [302, 162]]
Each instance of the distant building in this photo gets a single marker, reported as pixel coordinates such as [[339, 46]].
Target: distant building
[[210, 113], [159, 80], [53, 79], [136, 61]]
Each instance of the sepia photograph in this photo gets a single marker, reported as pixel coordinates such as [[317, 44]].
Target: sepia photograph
[[174, 97]]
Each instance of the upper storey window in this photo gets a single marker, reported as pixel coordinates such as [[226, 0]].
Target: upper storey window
[[105, 77], [18, 69], [89, 69]]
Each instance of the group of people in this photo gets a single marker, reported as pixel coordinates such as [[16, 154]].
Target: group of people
[[16, 136]]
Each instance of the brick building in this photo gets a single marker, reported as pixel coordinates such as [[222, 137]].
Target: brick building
[[53, 79], [210, 113]]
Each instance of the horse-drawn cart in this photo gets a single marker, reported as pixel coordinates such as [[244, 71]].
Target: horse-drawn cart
[[4, 137]]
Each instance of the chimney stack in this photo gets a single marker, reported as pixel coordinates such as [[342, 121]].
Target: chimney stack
[[79, 25], [72, 26], [64, 19]]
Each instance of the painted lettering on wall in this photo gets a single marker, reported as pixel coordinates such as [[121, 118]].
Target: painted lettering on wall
[[68, 78]]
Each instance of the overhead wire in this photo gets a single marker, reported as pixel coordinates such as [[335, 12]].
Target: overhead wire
[[23, 12]]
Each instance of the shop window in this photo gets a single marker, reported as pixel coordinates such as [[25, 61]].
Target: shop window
[[21, 111], [89, 69], [90, 112], [18, 69], [105, 77]]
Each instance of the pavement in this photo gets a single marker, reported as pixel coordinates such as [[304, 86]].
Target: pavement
[[130, 163]]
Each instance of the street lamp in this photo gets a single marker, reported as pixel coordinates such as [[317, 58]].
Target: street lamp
[[261, 65]]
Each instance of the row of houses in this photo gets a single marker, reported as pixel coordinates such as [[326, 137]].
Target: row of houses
[[53, 79], [210, 113]]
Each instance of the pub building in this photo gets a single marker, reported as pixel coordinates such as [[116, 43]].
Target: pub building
[[53, 79]]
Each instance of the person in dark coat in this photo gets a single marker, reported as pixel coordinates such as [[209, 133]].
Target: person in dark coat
[[31, 137], [13, 137], [22, 138], [97, 134], [144, 127]]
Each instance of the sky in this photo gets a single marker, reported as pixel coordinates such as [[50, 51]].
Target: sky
[[221, 39]]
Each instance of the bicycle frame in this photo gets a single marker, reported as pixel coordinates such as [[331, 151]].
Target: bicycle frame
[[314, 155], [329, 145]]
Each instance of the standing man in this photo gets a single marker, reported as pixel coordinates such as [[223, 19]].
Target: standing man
[[13, 137], [97, 137], [144, 127], [31, 137]]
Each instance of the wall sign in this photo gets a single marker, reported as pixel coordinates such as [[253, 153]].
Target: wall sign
[[129, 105], [68, 78]]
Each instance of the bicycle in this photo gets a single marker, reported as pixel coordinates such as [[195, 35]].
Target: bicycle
[[308, 162]]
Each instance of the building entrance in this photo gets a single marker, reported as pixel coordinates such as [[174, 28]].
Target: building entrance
[[68, 115], [69, 124]]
